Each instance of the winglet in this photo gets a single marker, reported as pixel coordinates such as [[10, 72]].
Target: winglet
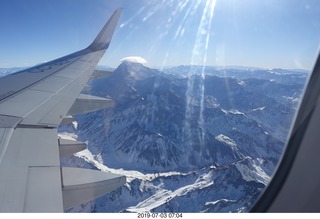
[[103, 39]]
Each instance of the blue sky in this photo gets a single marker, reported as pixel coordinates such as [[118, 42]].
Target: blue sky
[[257, 33]]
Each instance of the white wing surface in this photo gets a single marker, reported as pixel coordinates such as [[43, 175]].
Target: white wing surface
[[33, 103]]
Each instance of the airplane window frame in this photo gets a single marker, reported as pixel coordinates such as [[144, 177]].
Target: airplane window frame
[[301, 122]]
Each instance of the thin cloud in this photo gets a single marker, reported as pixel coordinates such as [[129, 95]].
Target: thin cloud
[[136, 59]]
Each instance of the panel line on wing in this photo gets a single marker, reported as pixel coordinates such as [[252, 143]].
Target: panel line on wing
[[35, 126]]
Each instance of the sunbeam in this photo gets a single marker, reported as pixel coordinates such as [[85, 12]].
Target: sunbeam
[[196, 89]]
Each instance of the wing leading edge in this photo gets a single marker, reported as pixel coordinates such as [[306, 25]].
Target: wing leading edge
[[33, 103]]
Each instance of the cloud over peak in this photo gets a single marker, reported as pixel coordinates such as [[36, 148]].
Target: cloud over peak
[[136, 59]]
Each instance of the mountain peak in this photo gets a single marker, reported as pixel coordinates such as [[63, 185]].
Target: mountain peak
[[135, 70], [130, 64]]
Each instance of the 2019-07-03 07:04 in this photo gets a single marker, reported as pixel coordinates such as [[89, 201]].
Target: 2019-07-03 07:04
[[159, 215]]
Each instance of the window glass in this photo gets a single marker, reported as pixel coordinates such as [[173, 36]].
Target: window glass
[[204, 93]]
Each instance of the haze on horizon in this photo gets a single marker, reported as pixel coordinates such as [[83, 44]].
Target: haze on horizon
[[264, 34]]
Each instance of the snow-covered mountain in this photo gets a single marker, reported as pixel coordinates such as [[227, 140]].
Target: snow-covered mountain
[[282, 76], [198, 143]]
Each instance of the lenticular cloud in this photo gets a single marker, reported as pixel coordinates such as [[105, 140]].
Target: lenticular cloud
[[136, 59]]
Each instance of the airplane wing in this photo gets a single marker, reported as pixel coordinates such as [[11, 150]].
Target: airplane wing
[[33, 103]]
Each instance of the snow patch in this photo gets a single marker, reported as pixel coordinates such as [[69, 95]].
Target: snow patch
[[163, 196], [253, 172], [220, 200], [75, 124], [226, 140], [292, 99], [232, 111], [242, 83], [258, 109], [130, 174], [68, 136]]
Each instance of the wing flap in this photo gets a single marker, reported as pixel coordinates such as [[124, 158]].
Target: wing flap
[[13, 186], [88, 103], [67, 120], [42, 149], [43, 192], [70, 147], [26, 148], [82, 185]]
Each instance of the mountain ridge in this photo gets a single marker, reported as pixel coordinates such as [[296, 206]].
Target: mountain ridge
[[204, 139]]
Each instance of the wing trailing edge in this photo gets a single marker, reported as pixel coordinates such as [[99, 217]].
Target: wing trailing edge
[[83, 185], [88, 103]]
